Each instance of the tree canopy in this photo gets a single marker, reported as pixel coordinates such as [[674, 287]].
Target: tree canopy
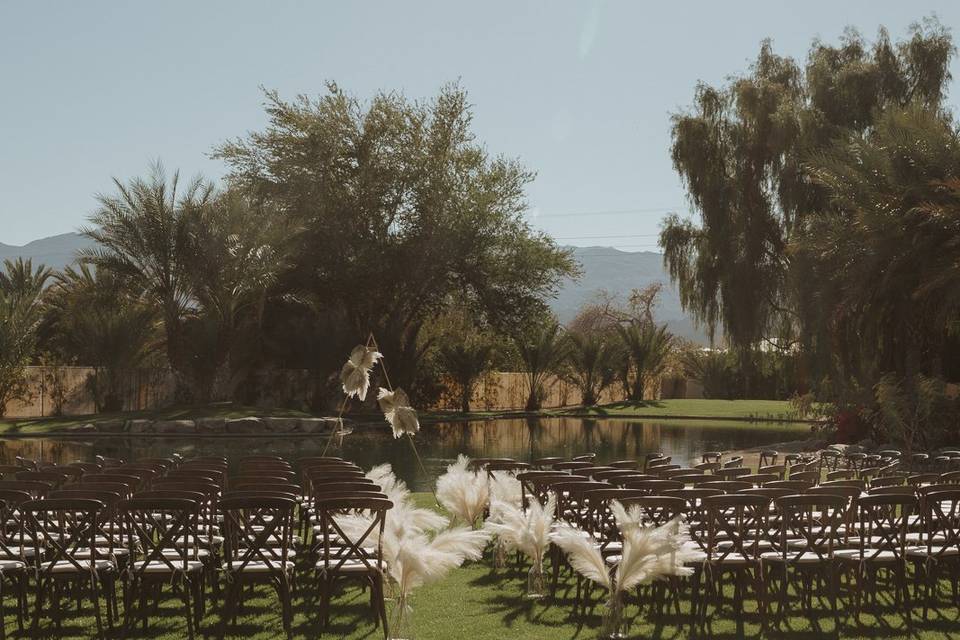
[[403, 214], [742, 149]]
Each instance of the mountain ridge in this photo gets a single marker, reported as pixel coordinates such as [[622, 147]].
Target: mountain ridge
[[603, 268]]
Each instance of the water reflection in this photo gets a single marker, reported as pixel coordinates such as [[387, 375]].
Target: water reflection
[[521, 438]]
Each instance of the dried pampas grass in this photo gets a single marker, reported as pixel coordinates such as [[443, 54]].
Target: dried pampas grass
[[355, 374], [464, 493], [527, 531]]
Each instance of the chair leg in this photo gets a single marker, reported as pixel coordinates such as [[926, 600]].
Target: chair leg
[[188, 607]]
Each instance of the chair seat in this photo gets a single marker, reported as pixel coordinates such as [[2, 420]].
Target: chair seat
[[158, 566], [349, 566], [85, 553], [202, 554], [65, 566], [202, 541], [732, 560], [728, 544], [934, 551], [256, 566], [12, 565], [805, 557], [19, 552], [868, 555]]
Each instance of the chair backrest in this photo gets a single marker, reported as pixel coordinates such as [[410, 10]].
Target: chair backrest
[[9, 470], [940, 512], [696, 510], [653, 487], [512, 467], [918, 479], [806, 476], [536, 484], [732, 473], [570, 504], [795, 486], [161, 528], [53, 478], [656, 510], [131, 481], [341, 546], [812, 525], [842, 474], [57, 529], [888, 481], [613, 475], [883, 524], [952, 477], [893, 490], [727, 486], [257, 529], [572, 465], [35, 488], [855, 482], [768, 457], [740, 519], [780, 470], [759, 479], [546, 462], [597, 516]]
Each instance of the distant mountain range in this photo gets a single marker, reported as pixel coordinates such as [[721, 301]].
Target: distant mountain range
[[603, 268], [56, 251]]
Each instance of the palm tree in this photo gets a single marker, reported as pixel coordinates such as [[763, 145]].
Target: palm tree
[[465, 362], [591, 369], [97, 324], [21, 288], [543, 352], [238, 249], [646, 349], [142, 236]]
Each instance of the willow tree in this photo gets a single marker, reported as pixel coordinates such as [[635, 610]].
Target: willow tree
[[740, 151]]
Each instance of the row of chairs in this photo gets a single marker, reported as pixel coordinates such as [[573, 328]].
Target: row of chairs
[[87, 528], [764, 530]]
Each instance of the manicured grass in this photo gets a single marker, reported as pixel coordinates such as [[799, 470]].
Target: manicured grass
[[678, 408], [757, 410], [63, 423], [476, 603]]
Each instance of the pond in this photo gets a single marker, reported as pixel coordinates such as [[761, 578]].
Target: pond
[[439, 443]]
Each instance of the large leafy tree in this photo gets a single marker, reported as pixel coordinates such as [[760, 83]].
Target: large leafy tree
[[21, 306], [404, 214], [740, 150]]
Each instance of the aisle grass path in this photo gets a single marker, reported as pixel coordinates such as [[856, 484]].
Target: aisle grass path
[[474, 603]]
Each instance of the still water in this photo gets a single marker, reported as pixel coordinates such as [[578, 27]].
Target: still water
[[438, 444]]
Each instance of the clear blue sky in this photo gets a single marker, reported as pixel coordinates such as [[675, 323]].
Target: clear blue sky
[[580, 91]]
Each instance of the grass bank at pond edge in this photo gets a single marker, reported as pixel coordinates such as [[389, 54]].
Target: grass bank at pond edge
[[726, 412]]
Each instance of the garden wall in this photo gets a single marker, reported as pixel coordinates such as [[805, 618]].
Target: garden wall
[[67, 391]]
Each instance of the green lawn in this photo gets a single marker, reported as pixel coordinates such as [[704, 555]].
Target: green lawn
[[682, 408], [475, 603], [62, 423], [725, 409]]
